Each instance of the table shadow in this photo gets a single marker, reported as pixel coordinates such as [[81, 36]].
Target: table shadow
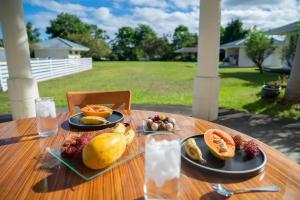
[[18, 139], [54, 182], [212, 195]]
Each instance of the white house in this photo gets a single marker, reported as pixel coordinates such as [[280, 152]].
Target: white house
[[290, 32], [58, 48], [2, 55], [235, 54]]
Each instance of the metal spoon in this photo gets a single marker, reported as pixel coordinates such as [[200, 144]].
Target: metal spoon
[[227, 193]]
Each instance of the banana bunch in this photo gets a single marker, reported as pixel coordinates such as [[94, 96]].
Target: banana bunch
[[93, 120], [193, 151], [127, 131]]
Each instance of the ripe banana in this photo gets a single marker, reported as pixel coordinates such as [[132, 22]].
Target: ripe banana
[[193, 151], [93, 120], [129, 135], [119, 128], [126, 130]]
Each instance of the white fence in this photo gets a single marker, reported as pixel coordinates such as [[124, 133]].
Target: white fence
[[49, 69]]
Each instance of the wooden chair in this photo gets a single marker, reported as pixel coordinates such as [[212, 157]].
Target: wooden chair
[[117, 99]]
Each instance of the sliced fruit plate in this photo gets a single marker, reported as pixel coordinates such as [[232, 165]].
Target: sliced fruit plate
[[241, 163]]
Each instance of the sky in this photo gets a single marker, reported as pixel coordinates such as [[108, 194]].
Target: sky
[[162, 15]]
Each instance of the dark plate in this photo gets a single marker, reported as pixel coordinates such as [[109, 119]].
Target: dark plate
[[239, 166], [116, 117]]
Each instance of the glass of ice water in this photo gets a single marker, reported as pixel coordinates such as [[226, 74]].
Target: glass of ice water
[[162, 166], [46, 116]]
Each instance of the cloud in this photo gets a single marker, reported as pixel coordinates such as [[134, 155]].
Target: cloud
[[239, 3], [264, 14], [57, 7], [165, 22], [184, 4], [150, 3], [102, 13], [164, 15], [41, 19]]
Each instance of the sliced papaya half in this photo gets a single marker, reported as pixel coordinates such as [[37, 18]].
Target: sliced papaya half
[[97, 110], [220, 144]]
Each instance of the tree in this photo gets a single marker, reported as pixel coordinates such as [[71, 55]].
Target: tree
[[99, 49], [157, 48], [292, 92], [67, 24], [233, 31], [99, 33], [33, 35], [1, 43], [183, 38], [222, 30], [222, 51], [70, 27], [124, 43], [288, 51], [258, 47], [143, 33]]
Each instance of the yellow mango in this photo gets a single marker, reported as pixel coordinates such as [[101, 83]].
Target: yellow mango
[[103, 150]]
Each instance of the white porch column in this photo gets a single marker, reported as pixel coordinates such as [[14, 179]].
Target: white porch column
[[22, 88], [206, 82]]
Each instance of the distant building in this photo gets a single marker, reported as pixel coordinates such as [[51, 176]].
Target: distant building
[[235, 54], [58, 48], [290, 32], [187, 50]]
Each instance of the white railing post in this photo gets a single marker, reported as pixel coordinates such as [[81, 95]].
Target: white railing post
[[51, 68]]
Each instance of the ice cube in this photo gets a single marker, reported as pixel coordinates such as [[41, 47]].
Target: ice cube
[[174, 156], [52, 110], [160, 179], [42, 111]]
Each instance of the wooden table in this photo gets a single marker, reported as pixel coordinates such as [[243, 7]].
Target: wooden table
[[22, 175]]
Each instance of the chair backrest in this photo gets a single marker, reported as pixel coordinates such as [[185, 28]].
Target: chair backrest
[[116, 98]]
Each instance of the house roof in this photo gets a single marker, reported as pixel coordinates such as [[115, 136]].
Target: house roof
[[289, 28], [187, 50], [241, 43], [59, 43], [233, 44]]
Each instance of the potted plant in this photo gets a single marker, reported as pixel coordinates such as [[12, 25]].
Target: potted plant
[[271, 89]]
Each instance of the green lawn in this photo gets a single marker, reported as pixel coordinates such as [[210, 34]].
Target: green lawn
[[165, 83]]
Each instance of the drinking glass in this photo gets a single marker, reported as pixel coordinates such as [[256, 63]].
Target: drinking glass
[[46, 116], [162, 166]]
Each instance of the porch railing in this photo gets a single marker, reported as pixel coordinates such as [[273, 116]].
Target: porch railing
[[47, 69]]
